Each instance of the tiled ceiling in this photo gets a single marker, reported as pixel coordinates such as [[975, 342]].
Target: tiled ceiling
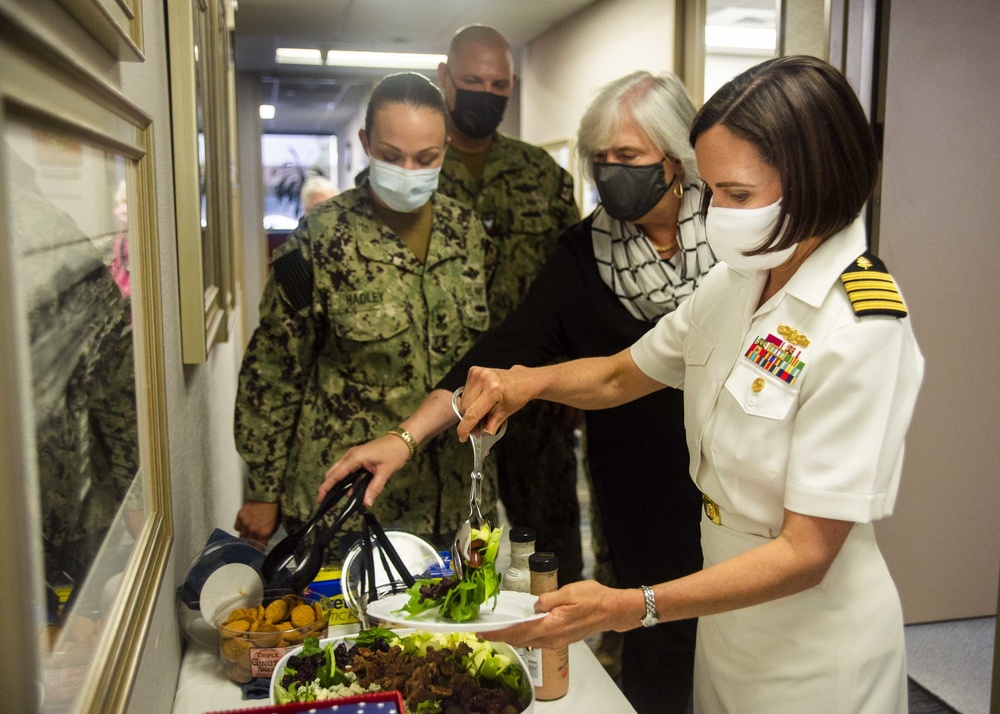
[[401, 25], [321, 99]]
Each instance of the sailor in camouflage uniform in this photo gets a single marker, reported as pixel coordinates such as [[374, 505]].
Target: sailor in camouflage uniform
[[355, 329], [525, 201]]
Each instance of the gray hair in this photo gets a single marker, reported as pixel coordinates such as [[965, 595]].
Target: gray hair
[[659, 105], [316, 185]]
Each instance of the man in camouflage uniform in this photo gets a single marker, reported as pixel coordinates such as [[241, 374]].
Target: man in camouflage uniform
[[354, 332], [525, 201]]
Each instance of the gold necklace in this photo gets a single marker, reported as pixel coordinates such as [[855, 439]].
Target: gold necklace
[[664, 248]]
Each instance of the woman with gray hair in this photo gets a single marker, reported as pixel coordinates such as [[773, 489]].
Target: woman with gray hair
[[315, 190], [613, 275]]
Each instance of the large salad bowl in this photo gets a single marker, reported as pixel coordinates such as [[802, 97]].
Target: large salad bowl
[[499, 648]]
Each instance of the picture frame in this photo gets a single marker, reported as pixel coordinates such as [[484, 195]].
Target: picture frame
[[115, 24], [67, 139], [202, 107]]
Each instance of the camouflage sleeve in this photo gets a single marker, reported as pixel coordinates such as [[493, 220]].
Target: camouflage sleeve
[[113, 412], [563, 205], [272, 384]]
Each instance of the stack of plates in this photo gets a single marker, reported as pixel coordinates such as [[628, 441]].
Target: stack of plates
[[418, 555], [228, 567]]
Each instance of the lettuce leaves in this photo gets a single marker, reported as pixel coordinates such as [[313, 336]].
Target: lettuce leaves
[[490, 668], [327, 676], [462, 602]]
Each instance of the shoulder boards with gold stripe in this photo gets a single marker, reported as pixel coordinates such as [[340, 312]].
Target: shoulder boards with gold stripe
[[871, 289]]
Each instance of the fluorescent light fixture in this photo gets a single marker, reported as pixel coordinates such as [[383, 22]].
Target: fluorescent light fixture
[[385, 60], [267, 111], [748, 38], [295, 55]]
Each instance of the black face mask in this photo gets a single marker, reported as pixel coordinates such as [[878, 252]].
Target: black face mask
[[630, 192], [477, 114]]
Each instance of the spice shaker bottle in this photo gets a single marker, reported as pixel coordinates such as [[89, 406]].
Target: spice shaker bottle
[[517, 577], [549, 668]]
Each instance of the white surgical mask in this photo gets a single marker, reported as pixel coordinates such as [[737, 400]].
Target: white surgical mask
[[402, 190], [733, 231]]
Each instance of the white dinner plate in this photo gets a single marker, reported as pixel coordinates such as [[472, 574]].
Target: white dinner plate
[[232, 580], [512, 608]]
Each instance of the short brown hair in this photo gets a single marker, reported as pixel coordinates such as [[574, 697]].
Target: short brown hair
[[806, 121]]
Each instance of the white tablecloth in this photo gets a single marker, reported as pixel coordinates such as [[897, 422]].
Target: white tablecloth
[[203, 688]]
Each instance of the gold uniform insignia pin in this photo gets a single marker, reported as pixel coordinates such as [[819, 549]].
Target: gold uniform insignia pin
[[793, 336]]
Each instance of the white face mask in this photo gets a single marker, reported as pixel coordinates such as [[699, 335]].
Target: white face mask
[[731, 231], [402, 189]]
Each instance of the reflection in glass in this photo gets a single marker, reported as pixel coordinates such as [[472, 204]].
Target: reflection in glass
[[289, 160], [70, 230], [201, 80]]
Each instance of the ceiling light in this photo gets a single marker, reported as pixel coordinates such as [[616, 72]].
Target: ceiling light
[[749, 38], [384, 60], [267, 111], [295, 55]]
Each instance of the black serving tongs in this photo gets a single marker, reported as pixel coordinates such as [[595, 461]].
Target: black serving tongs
[[374, 538], [308, 565], [371, 527]]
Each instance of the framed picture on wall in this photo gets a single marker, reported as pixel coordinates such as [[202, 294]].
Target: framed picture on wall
[[82, 396], [201, 107], [116, 24]]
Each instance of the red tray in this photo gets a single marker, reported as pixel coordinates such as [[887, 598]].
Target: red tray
[[345, 705]]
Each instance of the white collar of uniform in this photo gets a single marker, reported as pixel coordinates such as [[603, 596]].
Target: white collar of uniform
[[811, 282]]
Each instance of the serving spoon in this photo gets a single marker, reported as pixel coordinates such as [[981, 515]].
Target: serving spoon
[[482, 441]]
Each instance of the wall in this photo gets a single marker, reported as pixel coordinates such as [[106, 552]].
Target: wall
[[248, 131], [804, 28], [562, 69], [940, 222], [511, 124], [204, 467]]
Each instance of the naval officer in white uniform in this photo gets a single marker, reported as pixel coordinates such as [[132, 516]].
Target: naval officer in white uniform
[[800, 372]]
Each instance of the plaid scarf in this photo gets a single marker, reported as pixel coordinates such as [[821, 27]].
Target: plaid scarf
[[648, 286]]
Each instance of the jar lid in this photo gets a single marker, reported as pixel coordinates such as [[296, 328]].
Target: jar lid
[[522, 534], [543, 562]]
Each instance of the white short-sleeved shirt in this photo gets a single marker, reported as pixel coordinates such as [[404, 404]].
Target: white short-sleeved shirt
[[800, 404]]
